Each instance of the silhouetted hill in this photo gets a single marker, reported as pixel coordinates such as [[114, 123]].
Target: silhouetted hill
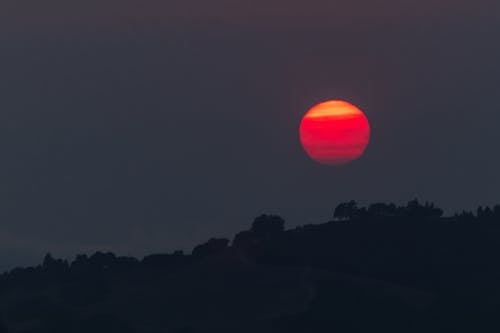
[[380, 268]]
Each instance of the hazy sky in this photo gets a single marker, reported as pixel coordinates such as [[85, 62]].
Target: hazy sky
[[141, 126]]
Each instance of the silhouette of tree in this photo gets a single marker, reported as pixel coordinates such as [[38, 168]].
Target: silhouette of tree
[[415, 209], [346, 210], [496, 211], [464, 216], [213, 246], [488, 213], [124, 263], [54, 266], [165, 262], [263, 229], [480, 212], [432, 211], [80, 263], [268, 225], [102, 261], [382, 209], [243, 239]]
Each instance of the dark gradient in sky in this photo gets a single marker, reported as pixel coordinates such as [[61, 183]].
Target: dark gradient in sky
[[143, 127]]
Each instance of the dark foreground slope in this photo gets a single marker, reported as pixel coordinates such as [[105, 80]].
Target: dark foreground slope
[[366, 273]]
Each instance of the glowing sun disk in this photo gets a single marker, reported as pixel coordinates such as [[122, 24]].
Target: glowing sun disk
[[334, 132]]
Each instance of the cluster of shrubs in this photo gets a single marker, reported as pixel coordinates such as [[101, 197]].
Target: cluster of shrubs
[[350, 210]]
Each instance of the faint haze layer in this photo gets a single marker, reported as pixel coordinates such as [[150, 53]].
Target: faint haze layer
[[145, 126]]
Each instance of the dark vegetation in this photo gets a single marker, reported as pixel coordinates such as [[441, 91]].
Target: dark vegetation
[[381, 268]]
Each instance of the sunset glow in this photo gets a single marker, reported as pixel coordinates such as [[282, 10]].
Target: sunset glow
[[334, 132]]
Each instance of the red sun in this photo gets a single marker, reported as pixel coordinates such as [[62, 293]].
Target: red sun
[[334, 132]]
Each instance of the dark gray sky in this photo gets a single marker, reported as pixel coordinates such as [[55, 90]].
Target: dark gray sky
[[140, 126]]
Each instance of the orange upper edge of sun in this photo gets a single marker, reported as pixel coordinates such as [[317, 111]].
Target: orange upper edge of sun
[[334, 132]]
